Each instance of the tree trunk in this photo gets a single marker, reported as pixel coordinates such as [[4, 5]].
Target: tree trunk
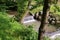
[[43, 20], [27, 11]]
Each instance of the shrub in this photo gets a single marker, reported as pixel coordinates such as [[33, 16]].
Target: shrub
[[14, 31]]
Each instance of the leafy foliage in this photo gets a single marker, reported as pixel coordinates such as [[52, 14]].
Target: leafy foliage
[[6, 4], [14, 31], [21, 8], [46, 38]]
